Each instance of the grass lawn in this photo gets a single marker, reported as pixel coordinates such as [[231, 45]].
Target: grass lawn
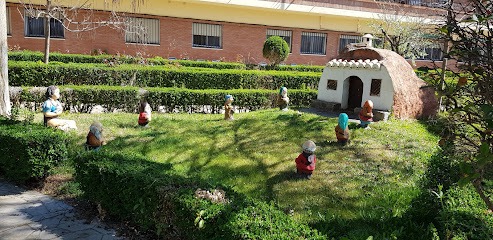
[[375, 177]]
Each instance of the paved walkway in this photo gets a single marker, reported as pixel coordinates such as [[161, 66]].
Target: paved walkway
[[32, 215]]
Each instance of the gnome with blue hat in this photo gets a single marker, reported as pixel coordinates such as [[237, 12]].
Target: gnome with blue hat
[[282, 99], [342, 130], [228, 108]]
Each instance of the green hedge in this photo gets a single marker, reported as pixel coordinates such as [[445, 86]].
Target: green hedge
[[83, 98], [39, 74], [151, 195], [30, 151], [31, 56]]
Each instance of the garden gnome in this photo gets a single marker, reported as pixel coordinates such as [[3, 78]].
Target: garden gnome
[[366, 114], [52, 109], [342, 130], [305, 162], [228, 108], [94, 139], [144, 113], [282, 99]]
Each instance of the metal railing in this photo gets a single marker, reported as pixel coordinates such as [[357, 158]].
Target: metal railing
[[425, 3]]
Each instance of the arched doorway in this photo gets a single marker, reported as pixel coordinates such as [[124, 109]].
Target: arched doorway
[[355, 95]]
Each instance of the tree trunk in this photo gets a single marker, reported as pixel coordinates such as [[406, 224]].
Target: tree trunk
[[4, 80], [47, 32]]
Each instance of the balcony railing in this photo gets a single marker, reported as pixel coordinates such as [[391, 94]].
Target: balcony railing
[[425, 3]]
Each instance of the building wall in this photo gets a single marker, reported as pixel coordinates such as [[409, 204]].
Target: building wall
[[240, 42], [244, 29]]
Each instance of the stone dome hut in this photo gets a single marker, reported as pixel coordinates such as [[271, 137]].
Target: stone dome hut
[[379, 75]]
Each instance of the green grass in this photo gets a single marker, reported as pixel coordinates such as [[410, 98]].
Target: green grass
[[375, 177]]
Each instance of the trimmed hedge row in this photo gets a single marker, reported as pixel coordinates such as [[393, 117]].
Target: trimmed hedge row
[[296, 68], [83, 98], [31, 56], [39, 74], [118, 59], [132, 188], [30, 151]]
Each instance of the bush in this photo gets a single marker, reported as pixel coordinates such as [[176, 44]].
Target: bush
[[30, 151], [465, 215], [275, 49], [84, 98], [31, 56], [132, 188], [40, 74]]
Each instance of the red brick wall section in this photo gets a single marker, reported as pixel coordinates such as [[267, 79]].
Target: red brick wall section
[[241, 42]]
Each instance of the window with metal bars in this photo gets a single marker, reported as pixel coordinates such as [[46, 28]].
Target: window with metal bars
[[8, 21], [331, 84], [284, 34], [432, 53], [344, 40], [207, 35], [142, 30], [313, 43], [376, 84], [34, 27]]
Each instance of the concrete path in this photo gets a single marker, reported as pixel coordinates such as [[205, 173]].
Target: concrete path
[[32, 215]]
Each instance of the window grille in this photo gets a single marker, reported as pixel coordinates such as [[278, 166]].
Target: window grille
[[432, 53], [207, 35], [34, 26], [142, 30], [313, 43], [331, 84], [344, 40], [284, 34], [376, 84]]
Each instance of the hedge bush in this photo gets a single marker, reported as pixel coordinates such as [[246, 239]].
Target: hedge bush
[[150, 194], [464, 215], [30, 151], [32, 56], [55, 73], [84, 98]]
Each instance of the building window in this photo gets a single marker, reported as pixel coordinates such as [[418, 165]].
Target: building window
[[284, 34], [313, 43], [376, 84], [432, 53], [142, 30], [344, 40], [8, 22], [207, 35], [34, 27], [331, 84]]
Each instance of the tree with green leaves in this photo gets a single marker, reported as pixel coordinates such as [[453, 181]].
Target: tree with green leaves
[[276, 50], [468, 102]]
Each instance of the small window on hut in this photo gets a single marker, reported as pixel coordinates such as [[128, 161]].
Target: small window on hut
[[375, 87], [332, 84]]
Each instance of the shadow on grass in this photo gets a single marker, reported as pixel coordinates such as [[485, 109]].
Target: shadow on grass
[[267, 175]]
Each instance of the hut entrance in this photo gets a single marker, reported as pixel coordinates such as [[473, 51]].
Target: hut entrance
[[355, 96]]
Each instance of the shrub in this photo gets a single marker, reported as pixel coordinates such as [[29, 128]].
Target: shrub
[[32, 56], [30, 151], [275, 49], [84, 98], [40, 74], [132, 188], [465, 215]]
